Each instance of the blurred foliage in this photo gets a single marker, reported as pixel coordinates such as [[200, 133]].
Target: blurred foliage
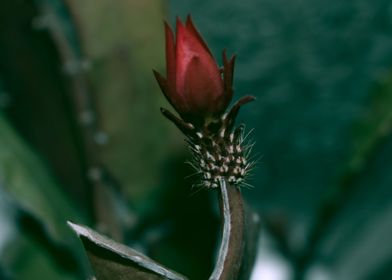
[[82, 139], [77, 86], [27, 181], [122, 49], [360, 202], [375, 125], [34, 84], [43, 210], [25, 259]]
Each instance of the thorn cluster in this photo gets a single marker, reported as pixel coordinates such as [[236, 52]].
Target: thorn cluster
[[221, 155], [219, 150]]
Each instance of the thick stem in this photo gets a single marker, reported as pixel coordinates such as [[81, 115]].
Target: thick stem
[[232, 242]]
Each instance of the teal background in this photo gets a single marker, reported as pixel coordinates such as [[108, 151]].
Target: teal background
[[316, 68], [82, 137]]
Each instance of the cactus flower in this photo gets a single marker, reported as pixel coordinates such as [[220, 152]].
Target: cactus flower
[[200, 92], [194, 85]]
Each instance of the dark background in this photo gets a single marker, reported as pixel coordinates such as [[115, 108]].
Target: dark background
[[82, 138]]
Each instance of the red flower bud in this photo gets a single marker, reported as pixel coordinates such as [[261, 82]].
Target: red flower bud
[[194, 84]]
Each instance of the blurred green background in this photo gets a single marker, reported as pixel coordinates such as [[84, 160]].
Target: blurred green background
[[82, 138]]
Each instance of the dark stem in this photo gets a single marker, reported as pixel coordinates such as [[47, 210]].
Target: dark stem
[[232, 242]]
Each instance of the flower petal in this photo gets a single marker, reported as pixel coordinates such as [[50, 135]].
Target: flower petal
[[192, 30], [228, 71], [203, 86], [174, 99], [182, 57], [170, 55]]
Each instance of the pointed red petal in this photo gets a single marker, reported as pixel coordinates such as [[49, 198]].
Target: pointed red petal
[[203, 86], [228, 68], [228, 71], [162, 82], [232, 115], [164, 86], [192, 30], [177, 101], [188, 45], [170, 56], [186, 128], [182, 56]]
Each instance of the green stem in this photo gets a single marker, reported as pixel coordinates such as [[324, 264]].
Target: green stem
[[230, 254]]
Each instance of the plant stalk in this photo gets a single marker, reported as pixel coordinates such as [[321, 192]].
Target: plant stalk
[[231, 248]]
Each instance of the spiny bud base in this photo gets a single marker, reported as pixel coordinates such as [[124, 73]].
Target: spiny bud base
[[220, 156], [220, 150]]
